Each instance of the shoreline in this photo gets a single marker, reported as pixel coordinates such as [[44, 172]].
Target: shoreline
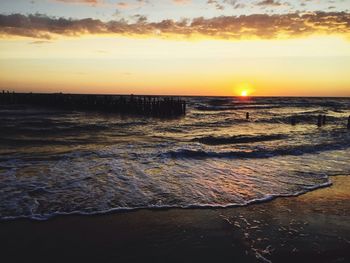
[[311, 227], [162, 208]]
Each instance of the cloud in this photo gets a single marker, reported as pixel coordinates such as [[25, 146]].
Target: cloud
[[217, 5], [40, 42], [262, 26], [235, 4], [269, 3], [123, 5], [129, 5], [181, 2]]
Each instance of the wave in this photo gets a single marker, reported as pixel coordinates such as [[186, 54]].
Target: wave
[[267, 198], [212, 140], [227, 104], [52, 129], [45, 141], [235, 107], [259, 153]]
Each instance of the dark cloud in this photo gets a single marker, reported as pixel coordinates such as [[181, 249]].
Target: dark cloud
[[262, 26], [216, 3], [269, 3]]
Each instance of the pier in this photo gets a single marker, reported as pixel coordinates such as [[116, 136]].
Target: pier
[[155, 106]]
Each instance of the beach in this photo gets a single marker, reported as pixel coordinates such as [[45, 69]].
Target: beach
[[175, 131], [313, 227]]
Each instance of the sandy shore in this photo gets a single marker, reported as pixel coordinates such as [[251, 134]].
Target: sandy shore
[[314, 227]]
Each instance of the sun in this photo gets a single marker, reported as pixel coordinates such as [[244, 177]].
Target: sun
[[244, 89], [244, 93]]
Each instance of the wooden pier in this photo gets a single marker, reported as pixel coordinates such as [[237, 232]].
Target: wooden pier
[[155, 106]]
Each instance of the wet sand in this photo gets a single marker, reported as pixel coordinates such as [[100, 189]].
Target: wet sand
[[314, 227]]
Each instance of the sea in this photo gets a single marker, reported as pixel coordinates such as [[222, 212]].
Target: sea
[[56, 162]]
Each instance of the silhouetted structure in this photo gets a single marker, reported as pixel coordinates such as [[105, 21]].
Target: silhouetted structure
[[319, 120], [155, 106], [247, 115], [293, 120], [324, 119], [349, 123]]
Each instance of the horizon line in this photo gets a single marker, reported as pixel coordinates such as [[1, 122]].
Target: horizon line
[[174, 95]]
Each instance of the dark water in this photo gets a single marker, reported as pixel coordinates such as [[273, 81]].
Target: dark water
[[58, 162]]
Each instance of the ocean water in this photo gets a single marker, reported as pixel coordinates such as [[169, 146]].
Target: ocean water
[[62, 162]]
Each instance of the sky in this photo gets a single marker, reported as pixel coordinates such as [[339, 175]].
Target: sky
[[176, 47]]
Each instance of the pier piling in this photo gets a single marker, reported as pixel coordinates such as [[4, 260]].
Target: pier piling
[[247, 116], [349, 123], [152, 106], [319, 120]]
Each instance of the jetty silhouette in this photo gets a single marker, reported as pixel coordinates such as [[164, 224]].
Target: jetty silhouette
[[155, 106]]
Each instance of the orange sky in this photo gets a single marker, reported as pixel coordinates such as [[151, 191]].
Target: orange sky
[[316, 66], [280, 54]]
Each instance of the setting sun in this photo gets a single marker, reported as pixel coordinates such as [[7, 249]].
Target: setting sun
[[244, 89], [244, 93]]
